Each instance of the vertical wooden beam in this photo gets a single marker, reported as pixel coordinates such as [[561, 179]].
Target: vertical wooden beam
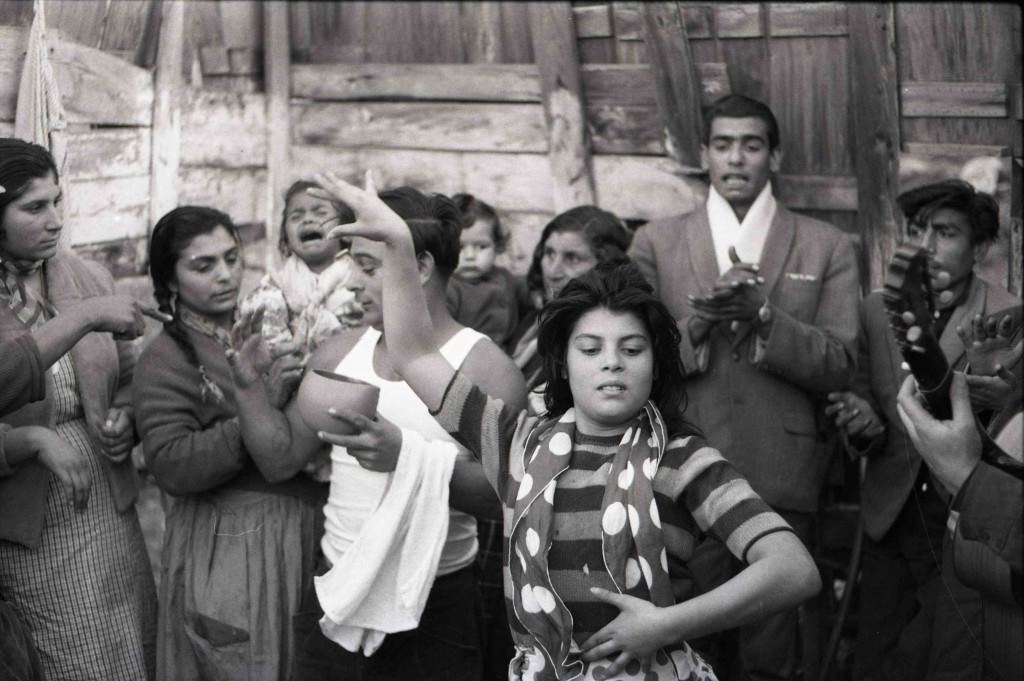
[[874, 87], [481, 31], [166, 138], [677, 80], [277, 82], [554, 47]]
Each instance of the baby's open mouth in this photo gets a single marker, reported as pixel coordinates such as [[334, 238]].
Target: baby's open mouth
[[310, 235]]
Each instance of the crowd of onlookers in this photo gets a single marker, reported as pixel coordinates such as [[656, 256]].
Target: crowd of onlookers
[[609, 469]]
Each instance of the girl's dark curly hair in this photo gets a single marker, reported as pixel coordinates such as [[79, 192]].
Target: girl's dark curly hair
[[344, 211], [172, 235], [603, 231], [617, 288]]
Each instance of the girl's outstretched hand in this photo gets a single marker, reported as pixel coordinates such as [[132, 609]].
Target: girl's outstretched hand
[[635, 633], [374, 220]]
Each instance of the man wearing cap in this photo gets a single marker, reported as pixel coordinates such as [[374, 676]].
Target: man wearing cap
[[766, 301], [913, 611]]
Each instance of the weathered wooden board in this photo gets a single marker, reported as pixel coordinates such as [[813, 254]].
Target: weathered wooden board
[[818, 192], [481, 31], [626, 129], [106, 209], [461, 82], [108, 152], [416, 125], [566, 137], [811, 100], [645, 187], [241, 193], [95, 87], [125, 259], [628, 23], [744, 20], [223, 129], [524, 230], [519, 182], [945, 99], [593, 21], [278, 84], [633, 84]]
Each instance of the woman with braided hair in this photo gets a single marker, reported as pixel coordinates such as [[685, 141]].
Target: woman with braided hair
[[240, 529], [73, 560]]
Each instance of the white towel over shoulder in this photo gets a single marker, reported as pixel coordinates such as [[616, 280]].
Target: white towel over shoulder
[[381, 583]]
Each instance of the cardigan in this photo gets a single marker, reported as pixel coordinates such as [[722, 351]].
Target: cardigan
[[103, 368], [191, 437]]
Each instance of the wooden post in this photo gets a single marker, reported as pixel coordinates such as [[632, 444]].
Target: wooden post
[[166, 139], [277, 82], [876, 139], [677, 80], [481, 31], [554, 48]]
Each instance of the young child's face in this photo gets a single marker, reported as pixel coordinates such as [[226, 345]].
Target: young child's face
[[305, 216], [610, 362], [476, 257]]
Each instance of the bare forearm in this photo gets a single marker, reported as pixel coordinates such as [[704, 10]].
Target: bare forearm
[[21, 444]]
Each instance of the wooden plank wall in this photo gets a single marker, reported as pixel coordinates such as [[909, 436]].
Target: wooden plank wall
[[447, 97]]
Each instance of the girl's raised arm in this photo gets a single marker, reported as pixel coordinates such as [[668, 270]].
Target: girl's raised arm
[[407, 325]]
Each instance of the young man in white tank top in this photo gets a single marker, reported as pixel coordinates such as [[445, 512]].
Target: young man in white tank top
[[446, 644]]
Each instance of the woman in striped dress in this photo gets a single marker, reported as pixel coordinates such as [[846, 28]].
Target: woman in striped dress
[[72, 557], [603, 495]]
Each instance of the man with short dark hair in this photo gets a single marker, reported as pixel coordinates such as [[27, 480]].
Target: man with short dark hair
[[915, 618], [766, 300]]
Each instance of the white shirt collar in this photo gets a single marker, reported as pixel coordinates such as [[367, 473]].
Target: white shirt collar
[[748, 236]]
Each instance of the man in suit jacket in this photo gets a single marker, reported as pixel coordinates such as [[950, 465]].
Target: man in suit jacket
[[913, 612], [766, 301]]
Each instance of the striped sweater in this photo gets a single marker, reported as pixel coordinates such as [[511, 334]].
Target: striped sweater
[[696, 489]]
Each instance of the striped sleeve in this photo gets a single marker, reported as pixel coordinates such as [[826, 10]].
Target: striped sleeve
[[482, 424], [720, 500]]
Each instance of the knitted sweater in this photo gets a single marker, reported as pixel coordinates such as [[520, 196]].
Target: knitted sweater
[[695, 488]]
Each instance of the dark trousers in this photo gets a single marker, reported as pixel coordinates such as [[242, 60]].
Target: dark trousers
[[766, 649], [916, 620], [498, 647], [445, 646]]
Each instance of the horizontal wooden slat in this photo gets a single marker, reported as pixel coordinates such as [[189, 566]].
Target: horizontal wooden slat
[[241, 193], [633, 84], [818, 192], [459, 82], [953, 99], [112, 152], [95, 87], [785, 20], [124, 258], [964, 151], [807, 19], [214, 60], [106, 209], [593, 21], [414, 125], [506, 181], [223, 129]]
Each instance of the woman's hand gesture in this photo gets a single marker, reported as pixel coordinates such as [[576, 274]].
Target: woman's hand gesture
[[374, 220], [65, 461], [118, 314], [635, 634]]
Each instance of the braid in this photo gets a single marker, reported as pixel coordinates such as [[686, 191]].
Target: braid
[[174, 328]]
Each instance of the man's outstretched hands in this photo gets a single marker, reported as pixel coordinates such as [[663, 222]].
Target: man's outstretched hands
[[994, 348], [374, 220]]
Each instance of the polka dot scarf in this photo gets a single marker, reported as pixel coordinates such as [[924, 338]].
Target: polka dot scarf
[[634, 552]]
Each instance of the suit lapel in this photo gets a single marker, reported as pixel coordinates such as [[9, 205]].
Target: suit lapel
[[701, 248]]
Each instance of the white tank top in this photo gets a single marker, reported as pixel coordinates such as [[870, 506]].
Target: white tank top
[[356, 492]]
